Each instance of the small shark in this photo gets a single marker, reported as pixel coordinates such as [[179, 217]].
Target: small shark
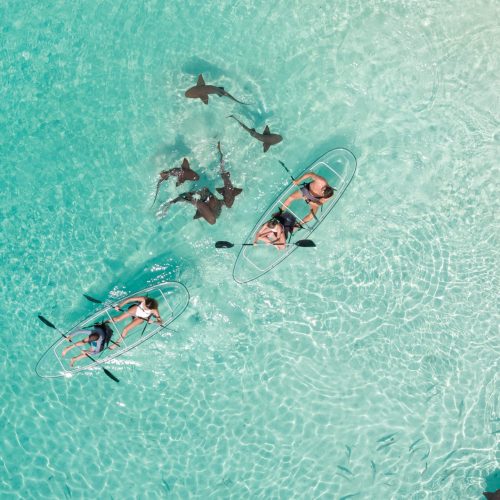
[[206, 203], [266, 137], [201, 91], [184, 173], [228, 192], [492, 495], [208, 206]]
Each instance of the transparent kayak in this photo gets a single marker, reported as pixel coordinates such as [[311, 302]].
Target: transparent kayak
[[172, 297], [338, 167]]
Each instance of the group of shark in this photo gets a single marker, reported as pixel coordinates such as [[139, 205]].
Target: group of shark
[[207, 205]]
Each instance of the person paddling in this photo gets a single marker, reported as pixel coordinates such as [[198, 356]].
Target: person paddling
[[315, 193], [145, 310], [98, 338]]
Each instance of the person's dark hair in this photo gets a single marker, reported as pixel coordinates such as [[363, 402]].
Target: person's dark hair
[[273, 222], [327, 192], [151, 303], [93, 336]]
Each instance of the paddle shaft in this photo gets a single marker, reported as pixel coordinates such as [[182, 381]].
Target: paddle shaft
[[284, 166], [300, 243]]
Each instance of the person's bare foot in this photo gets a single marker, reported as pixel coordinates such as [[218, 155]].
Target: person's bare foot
[[72, 362]]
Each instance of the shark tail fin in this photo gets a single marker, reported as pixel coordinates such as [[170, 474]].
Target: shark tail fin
[[157, 189]]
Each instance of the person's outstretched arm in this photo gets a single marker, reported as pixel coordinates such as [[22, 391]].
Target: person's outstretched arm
[[127, 301], [309, 175], [294, 196]]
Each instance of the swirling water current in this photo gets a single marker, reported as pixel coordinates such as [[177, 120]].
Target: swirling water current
[[364, 368]]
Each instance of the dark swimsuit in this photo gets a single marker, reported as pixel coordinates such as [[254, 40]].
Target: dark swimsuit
[[306, 193], [287, 220]]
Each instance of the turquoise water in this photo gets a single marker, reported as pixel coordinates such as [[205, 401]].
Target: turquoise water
[[368, 366]]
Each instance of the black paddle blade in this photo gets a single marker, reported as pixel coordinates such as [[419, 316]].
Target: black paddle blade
[[91, 299], [110, 375], [46, 321], [305, 243], [223, 244]]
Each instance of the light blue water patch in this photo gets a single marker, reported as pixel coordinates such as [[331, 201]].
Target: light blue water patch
[[364, 368]]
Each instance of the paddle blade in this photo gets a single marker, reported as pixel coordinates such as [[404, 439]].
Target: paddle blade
[[223, 244], [91, 299], [305, 243], [46, 321], [110, 375]]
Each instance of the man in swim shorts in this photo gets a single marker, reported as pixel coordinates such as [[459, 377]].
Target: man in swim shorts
[[315, 193]]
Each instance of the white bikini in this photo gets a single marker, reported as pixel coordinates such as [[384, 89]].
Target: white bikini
[[143, 312]]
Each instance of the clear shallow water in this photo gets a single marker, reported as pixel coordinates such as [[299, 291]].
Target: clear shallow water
[[369, 365]]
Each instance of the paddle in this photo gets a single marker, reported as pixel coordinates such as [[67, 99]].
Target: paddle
[[51, 325], [300, 243], [146, 323], [97, 301], [284, 166]]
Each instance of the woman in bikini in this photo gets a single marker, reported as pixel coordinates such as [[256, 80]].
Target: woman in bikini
[[272, 233], [315, 193], [143, 311]]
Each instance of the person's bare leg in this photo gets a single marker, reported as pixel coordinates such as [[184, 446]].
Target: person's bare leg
[[124, 315], [132, 324], [76, 358], [72, 346]]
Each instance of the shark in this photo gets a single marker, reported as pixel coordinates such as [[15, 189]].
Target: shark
[[207, 205], [201, 91], [228, 192], [183, 174], [266, 137]]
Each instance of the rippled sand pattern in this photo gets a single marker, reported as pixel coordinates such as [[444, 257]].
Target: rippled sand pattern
[[364, 368]]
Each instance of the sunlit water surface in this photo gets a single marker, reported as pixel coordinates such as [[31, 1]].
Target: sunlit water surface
[[367, 366]]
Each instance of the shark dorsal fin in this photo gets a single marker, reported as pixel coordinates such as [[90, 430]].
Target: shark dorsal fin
[[185, 164], [267, 131], [200, 81]]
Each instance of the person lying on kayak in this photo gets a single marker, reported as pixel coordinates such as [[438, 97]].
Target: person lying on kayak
[[277, 230], [272, 233], [145, 310], [98, 338], [315, 193]]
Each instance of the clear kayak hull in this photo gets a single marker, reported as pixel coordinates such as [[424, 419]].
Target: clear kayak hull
[[338, 167], [172, 297]]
